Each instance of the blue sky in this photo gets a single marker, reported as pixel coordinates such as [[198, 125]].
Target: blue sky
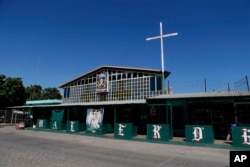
[[49, 42]]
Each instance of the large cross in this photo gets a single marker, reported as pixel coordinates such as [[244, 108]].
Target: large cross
[[162, 54]]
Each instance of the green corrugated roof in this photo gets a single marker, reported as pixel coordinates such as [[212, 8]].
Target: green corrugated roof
[[39, 102]]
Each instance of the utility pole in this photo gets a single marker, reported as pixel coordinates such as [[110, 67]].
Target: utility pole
[[247, 83], [205, 83]]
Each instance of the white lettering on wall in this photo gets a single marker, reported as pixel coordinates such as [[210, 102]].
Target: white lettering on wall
[[54, 125], [72, 126], [120, 129], [246, 136], [197, 134], [40, 123], [156, 131]]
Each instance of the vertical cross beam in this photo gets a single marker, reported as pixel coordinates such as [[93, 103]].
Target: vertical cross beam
[[162, 53]]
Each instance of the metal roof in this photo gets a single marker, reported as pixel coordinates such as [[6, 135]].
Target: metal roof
[[202, 95], [116, 68], [85, 104], [49, 101]]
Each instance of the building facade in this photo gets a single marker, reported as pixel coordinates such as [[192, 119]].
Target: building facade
[[110, 84], [129, 101]]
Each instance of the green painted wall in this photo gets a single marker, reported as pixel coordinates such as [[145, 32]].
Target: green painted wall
[[199, 133], [73, 126], [241, 136], [125, 130], [42, 124], [108, 128], [158, 132], [56, 125], [101, 130]]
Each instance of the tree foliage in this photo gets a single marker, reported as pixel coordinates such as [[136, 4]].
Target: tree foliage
[[36, 92], [12, 92], [51, 93]]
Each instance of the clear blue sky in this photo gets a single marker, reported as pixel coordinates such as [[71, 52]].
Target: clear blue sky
[[49, 42]]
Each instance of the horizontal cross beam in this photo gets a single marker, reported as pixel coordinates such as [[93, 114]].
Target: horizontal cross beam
[[163, 36]]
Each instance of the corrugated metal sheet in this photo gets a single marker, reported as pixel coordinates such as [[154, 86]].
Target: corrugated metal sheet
[[85, 104], [202, 95]]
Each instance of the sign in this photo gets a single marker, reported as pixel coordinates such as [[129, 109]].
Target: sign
[[199, 133], [56, 125], [102, 82], [158, 132], [94, 120], [72, 126], [241, 136], [41, 123], [125, 130], [239, 158]]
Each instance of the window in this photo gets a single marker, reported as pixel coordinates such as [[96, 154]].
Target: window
[[118, 76], [129, 75], [152, 84], [134, 75], [113, 77], [159, 84], [123, 76], [66, 92]]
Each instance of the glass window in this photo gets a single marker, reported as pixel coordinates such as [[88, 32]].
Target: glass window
[[68, 92], [129, 75], [118, 76], [123, 76], [134, 75], [159, 84], [65, 92], [113, 77]]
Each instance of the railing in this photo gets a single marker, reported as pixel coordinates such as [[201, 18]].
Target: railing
[[96, 97]]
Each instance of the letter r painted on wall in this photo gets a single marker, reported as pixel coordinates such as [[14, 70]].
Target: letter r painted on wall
[[156, 131]]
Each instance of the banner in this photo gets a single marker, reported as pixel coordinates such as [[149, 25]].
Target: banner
[[102, 82], [57, 115], [56, 119], [94, 119]]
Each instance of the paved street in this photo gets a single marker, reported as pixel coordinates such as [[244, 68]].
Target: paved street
[[24, 148]]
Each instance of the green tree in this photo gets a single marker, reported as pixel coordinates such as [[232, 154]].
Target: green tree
[[2, 92], [51, 93], [12, 92], [34, 92]]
